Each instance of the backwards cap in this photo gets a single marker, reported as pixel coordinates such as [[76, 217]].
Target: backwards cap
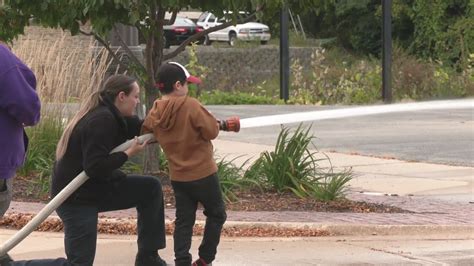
[[189, 77], [171, 72]]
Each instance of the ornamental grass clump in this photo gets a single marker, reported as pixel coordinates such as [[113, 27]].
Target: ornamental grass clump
[[232, 180], [65, 76], [294, 167]]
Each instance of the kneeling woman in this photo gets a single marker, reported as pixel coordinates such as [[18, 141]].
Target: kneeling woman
[[103, 122]]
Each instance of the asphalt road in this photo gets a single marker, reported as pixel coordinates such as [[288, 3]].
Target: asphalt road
[[435, 136]]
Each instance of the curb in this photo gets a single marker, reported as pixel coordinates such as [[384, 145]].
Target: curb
[[123, 226], [362, 229]]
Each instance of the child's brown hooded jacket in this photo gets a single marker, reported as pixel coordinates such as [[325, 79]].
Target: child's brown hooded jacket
[[184, 129]]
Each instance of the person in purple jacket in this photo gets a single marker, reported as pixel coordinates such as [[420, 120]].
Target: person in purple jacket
[[19, 107]]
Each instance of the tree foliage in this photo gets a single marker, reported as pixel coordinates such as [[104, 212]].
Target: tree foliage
[[12, 23], [443, 29], [436, 29]]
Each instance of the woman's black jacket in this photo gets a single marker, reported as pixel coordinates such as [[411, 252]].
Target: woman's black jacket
[[92, 139]]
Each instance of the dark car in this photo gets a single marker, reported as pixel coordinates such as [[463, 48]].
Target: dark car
[[182, 29]]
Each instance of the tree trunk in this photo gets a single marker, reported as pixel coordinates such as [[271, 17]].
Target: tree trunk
[[153, 57], [152, 152], [152, 160]]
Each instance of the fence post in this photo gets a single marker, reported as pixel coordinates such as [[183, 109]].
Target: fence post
[[387, 51], [284, 54]]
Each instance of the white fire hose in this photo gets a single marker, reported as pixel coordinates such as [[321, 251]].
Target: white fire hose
[[244, 123], [58, 200]]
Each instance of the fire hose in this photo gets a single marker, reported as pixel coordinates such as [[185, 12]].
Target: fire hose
[[57, 201]]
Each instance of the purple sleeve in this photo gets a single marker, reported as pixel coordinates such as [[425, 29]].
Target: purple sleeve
[[18, 95]]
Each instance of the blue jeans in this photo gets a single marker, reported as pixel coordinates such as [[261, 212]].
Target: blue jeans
[[207, 191], [80, 221]]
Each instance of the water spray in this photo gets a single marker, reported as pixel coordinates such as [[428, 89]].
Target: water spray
[[244, 123], [269, 120]]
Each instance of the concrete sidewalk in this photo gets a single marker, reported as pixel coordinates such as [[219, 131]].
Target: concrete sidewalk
[[378, 175], [418, 249], [441, 197]]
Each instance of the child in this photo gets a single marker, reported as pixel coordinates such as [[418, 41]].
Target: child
[[184, 129]]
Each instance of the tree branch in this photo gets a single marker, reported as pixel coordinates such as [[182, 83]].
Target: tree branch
[[129, 52], [195, 37], [160, 17], [149, 51], [173, 17], [106, 46]]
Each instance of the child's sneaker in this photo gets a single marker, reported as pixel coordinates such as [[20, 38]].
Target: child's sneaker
[[201, 262], [154, 260]]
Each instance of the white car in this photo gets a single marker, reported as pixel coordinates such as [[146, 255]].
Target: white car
[[249, 31]]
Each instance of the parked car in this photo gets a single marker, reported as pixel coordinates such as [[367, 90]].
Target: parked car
[[249, 31], [181, 29]]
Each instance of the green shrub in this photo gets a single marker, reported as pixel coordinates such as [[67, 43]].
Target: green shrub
[[196, 69], [132, 167], [41, 151], [333, 80], [337, 77], [163, 161], [220, 97], [420, 79], [292, 166], [231, 179], [331, 186], [298, 40]]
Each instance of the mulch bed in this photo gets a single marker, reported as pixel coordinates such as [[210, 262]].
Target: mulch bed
[[129, 227], [254, 200]]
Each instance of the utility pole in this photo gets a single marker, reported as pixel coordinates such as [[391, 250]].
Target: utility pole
[[387, 51], [284, 54]]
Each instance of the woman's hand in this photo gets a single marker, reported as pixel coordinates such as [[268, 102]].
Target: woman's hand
[[136, 147]]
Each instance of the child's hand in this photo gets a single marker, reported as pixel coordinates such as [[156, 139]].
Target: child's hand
[[136, 147]]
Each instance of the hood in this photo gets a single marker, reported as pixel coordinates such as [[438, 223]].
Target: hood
[[164, 112]]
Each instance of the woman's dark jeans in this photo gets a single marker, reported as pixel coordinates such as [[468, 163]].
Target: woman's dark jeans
[[80, 221], [207, 191]]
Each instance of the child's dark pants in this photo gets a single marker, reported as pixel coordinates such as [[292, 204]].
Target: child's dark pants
[[206, 191]]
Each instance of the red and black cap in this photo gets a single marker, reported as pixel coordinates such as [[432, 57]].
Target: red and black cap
[[171, 72]]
